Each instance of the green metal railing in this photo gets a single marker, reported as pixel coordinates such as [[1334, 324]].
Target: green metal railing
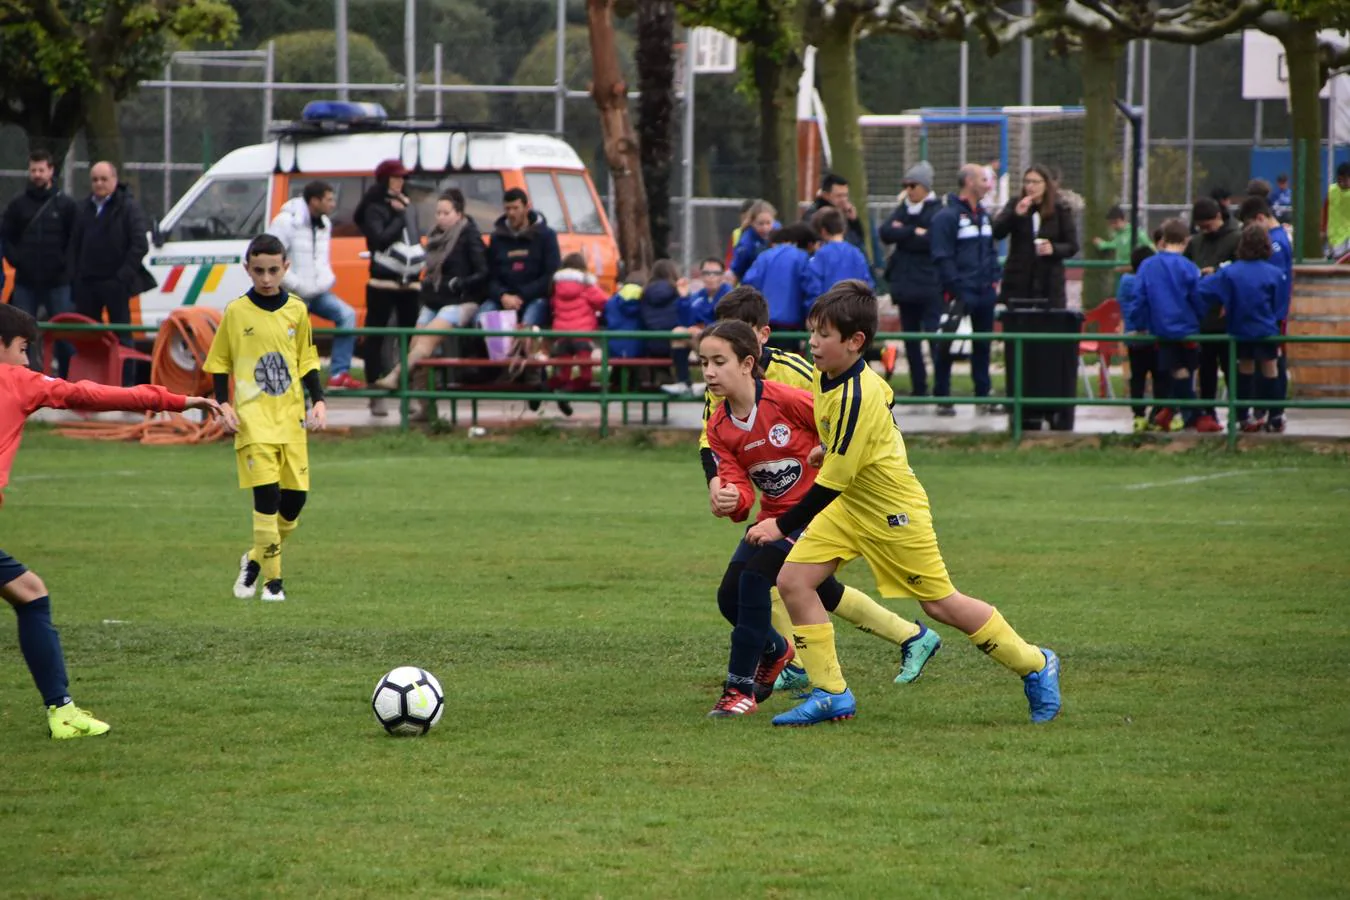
[[1016, 400]]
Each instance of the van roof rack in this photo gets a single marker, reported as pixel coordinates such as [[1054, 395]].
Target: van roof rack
[[322, 117]]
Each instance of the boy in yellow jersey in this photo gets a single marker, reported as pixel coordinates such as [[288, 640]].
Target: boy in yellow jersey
[[867, 502], [266, 346], [917, 643]]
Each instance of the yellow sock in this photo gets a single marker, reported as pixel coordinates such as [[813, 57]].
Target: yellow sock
[[778, 615], [997, 639], [815, 649], [285, 526], [873, 618], [267, 545]]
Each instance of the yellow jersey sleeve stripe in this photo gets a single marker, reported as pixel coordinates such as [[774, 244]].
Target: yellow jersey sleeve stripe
[[853, 398], [794, 362]]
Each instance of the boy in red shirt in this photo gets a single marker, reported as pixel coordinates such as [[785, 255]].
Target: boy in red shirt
[[23, 392]]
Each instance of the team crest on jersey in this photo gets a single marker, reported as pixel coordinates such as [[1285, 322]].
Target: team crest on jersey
[[779, 435], [777, 477]]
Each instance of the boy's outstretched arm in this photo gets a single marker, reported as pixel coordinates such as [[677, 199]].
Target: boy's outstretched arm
[[54, 393]]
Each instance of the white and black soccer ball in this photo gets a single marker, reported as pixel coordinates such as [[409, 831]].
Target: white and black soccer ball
[[408, 701]]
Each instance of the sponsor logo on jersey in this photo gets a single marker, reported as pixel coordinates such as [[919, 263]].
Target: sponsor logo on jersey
[[777, 477]]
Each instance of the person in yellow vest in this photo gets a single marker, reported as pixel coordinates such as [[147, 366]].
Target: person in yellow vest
[[1336, 214]]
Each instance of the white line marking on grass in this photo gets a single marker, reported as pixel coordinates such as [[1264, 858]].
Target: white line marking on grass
[[63, 476], [1196, 479]]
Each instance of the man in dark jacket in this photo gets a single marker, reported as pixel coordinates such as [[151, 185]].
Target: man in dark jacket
[[834, 192], [911, 271], [107, 247], [523, 257], [1213, 244], [35, 231], [962, 242]]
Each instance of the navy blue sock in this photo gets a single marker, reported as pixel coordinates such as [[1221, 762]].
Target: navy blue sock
[[1281, 386], [41, 647], [1268, 389], [679, 358], [1184, 389], [752, 630], [1246, 388]]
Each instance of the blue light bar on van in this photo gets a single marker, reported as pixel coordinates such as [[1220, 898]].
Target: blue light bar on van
[[345, 111]]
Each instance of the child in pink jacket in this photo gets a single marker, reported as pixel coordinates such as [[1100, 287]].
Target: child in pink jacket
[[577, 305]]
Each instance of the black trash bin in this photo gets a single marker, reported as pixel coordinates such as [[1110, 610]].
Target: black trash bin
[[1051, 367]]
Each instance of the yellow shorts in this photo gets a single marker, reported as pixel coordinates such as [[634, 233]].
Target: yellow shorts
[[909, 568], [284, 464]]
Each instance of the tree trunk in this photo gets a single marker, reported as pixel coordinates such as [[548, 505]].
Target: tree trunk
[[1305, 80], [1101, 55], [656, 112], [102, 136], [776, 87], [621, 147], [838, 66]]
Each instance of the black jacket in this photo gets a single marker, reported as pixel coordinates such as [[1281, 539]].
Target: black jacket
[[383, 226], [523, 264], [1209, 251], [111, 246], [1027, 276], [38, 246], [910, 269], [466, 265], [854, 235]]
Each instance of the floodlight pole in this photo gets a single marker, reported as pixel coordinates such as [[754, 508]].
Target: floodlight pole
[[1136, 119], [687, 236], [340, 26], [410, 56], [560, 70]]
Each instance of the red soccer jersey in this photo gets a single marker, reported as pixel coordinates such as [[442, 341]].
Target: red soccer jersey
[[769, 450], [23, 392]]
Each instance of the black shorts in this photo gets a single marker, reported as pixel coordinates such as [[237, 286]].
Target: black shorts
[[1173, 355], [1261, 351], [10, 568]]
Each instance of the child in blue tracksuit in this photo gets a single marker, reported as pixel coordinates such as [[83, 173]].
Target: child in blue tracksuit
[[1250, 291], [1255, 210], [622, 314], [1166, 305], [763, 219], [777, 274], [699, 309], [834, 261], [1143, 357]]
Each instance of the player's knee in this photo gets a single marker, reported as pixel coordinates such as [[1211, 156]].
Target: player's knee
[[346, 317], [267, 499], [830, 591], [289, 504], [24, 589]]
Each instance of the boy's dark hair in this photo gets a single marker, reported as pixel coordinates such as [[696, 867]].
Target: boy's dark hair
[[828, 221], [849, 306], [1252, 207], [1343, 170], [41, 156], [1254, 243], [265, 245], [1138, 255], [516, 195], [15, 324], [1205, 208], [1220, 194], [1174, 231], [714, 260], [573, 261], [455, 197], [831, 181], [798, 233], [1156, 236], [1115, 212], [1282, 178], [1258, 187], [742, 338], [664, 270], [316, 190], [743, 304]]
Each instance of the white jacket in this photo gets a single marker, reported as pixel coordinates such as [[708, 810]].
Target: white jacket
[[308, 244]]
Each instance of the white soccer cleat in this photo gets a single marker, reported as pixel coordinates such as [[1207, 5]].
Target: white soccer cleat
[[246, 585], [272, 592]]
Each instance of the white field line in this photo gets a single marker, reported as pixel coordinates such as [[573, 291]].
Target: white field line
[[1196, 479]]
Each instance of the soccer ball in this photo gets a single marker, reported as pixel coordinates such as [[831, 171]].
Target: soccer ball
[[408, 701]]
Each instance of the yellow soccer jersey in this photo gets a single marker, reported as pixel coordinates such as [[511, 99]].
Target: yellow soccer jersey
[[782, 366], [865, 455], [267, 353]]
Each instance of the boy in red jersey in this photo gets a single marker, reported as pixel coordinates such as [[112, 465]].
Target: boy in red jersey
[[764, 436], [23, 392]]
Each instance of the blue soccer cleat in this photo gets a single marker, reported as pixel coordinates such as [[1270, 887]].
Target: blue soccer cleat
[[916, 652], [1042, 689], [819, 706]]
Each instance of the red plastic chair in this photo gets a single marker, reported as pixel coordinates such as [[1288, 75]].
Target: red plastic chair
[[98, 355], [1107, 319]]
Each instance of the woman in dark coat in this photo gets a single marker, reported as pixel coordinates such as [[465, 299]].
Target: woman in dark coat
[[1041, 234]]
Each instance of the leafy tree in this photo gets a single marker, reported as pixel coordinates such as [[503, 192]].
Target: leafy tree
[[656, 112], [64, 64], [464, 30], [308, 56]]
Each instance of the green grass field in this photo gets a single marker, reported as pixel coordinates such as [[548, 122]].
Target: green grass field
[[562, 589]]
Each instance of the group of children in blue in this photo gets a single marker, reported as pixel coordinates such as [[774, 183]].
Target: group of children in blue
[[1168, 297]]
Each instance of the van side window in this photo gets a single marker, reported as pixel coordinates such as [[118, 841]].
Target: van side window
[[544, 198], [228, 209], [347, 190], [580, 204]]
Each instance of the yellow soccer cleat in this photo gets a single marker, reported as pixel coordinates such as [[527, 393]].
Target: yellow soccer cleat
[[70, 721]]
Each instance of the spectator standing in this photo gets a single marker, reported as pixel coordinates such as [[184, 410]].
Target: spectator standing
[[1117, 245], [107, 247], [761, 221], [778, 275], [577, 304], [962, 243], [834, 192], [1167, 306], [1282, 198], [1041, 235], [1253, 211], [835, 259], [911, 271], [36, 231], [388, 220], [1213, 245], [1336, 214], [306, 231], [1143, 357]]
